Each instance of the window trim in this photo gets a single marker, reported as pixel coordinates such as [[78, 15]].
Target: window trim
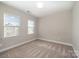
[[4, 17], [33, 27]]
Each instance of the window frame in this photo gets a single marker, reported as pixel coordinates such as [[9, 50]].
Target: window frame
[[5, 15], [32, 26]]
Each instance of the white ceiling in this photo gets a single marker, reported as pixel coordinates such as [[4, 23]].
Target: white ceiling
[[49, 6]]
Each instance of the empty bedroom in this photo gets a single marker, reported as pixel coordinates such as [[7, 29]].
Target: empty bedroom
[[39, 29]]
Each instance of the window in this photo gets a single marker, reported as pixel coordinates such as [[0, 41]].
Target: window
[[30, 26], [11, 25]]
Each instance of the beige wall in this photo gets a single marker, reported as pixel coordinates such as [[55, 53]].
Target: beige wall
[[75, 28], [56, 27], [23, 36]]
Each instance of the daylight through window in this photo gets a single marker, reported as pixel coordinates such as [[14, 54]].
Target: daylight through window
[[30, 26], [11, 25]]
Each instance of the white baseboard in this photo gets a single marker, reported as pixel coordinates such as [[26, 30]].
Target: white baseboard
[[56, 41], [5, 49]]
